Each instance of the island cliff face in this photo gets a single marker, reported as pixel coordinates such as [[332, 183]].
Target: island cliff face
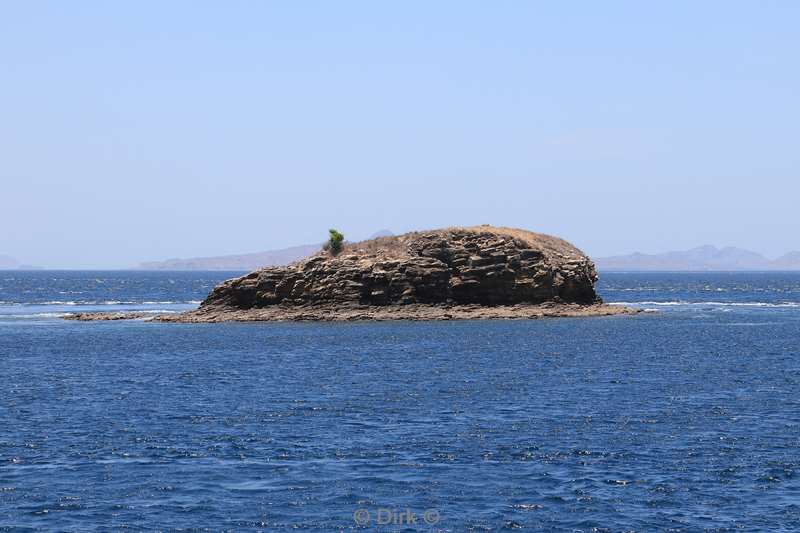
[[475, 272], [463, 266]]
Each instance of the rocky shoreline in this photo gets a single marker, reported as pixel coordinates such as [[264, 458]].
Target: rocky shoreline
[[412, 312], [106, 316]]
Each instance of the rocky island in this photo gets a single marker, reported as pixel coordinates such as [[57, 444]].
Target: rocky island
[[455, 273]]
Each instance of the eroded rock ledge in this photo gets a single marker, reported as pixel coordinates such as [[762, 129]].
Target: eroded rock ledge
[[413, 312], [332, 313]]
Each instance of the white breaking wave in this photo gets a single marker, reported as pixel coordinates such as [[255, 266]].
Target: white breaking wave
[[37, 315], [105, 302], [195, 302], [714, 304]]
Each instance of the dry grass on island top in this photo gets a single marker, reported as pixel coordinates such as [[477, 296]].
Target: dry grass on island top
[[396, 245]]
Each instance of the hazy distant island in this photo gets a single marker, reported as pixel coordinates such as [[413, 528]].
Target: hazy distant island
[[251, 261], [453, 273], [702, 258], [9, 263]]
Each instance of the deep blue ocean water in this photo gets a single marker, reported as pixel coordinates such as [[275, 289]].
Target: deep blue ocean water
[[684, 419]]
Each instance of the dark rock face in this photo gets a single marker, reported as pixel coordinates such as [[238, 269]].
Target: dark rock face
[[481, 265]]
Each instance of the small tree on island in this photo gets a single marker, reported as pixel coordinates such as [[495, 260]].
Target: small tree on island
[[335, 240]]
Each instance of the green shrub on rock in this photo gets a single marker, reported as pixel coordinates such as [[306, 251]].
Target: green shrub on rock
[[335, 240]]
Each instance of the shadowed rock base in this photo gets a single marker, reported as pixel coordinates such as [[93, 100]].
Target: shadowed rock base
[[416, 312]]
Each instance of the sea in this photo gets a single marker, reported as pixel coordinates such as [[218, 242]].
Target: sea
[[683, 418]]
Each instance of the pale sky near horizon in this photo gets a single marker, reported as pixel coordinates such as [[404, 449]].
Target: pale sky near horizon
[[147, 130]]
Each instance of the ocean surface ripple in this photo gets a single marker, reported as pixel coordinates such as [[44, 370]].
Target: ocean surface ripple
[[685, 419]]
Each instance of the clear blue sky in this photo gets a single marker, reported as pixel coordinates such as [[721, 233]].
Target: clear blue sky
[[147, 130]]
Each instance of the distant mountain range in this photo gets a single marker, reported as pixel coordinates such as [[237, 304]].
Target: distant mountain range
[[702, 258], [247, 262]]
